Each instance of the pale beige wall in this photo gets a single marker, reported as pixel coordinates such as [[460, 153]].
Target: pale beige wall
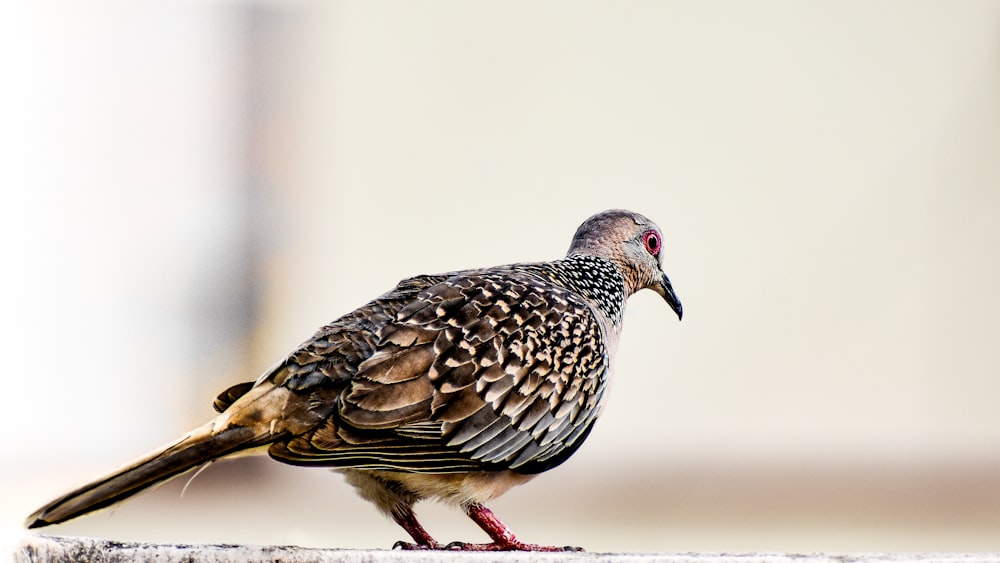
[[827, 175]]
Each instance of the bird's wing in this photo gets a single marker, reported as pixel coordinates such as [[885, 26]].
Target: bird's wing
[[480, 370]]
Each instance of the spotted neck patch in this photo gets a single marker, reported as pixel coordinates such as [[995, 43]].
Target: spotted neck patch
[[595, 278]]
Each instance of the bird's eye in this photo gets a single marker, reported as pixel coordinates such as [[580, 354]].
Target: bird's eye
[[652, 241]]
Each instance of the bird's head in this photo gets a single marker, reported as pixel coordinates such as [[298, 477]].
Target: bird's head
[[634, 244]]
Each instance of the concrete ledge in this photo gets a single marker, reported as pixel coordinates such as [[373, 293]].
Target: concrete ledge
[[40, 548]]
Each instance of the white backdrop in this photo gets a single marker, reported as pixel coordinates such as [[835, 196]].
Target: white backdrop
[[189, 189]]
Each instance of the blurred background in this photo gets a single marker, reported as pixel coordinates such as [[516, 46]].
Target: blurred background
[[189, 189]]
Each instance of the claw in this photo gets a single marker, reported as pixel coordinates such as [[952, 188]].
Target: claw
[[407, 546]]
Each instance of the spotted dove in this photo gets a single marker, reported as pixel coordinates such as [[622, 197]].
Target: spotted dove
[[455, 386]]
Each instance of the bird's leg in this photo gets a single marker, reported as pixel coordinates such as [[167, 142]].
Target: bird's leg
[[503, 538], [408, 521]]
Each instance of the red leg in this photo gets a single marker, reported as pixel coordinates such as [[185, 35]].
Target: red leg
[[408, 521], [503, 538]]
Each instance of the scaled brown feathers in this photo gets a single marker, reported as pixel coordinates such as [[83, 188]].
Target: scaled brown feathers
[[498, 369]]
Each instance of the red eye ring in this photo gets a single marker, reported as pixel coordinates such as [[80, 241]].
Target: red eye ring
[[651, 240]]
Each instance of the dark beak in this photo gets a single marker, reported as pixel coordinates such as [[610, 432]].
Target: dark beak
[[667, 291]]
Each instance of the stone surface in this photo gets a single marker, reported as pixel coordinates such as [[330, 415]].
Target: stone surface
[[36, 548]]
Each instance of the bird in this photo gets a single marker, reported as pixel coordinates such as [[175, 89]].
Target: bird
[[452, 387]]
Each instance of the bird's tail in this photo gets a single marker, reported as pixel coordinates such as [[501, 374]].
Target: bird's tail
[[220, 437]]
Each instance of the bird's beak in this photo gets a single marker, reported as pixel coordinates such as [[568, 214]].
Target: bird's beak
[[665, 289]]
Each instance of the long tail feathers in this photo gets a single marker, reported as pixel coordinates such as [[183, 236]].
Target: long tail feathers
[[197, 447]]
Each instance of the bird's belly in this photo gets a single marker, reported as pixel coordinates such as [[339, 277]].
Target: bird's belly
[[458, 488]]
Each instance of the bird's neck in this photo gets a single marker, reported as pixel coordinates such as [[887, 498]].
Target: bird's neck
[[597, 279]]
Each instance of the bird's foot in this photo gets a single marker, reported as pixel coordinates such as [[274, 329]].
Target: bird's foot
[[515, 545], [404, 516], [510, 545], [503, 538]]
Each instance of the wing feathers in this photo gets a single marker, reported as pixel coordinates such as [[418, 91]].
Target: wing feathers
[[478, 370], [456, 407]]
